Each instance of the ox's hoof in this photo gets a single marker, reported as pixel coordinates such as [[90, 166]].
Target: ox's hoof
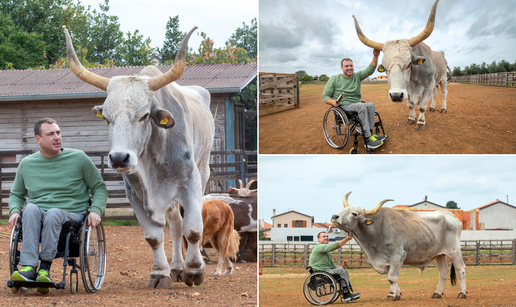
[[461, 295], [194, 280], [392, 298], [443, 111], [177, 275], [159, 281], [436, 295], [420, 127], [410, 121], [431, 109]]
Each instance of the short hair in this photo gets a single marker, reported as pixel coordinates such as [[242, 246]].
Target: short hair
[[37, 126], [319, 234], [346, 59]]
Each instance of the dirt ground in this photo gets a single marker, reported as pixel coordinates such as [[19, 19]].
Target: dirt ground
[[479, 121], [129, 262], [486, 286]]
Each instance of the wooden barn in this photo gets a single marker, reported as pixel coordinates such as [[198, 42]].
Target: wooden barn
[[28, 95]]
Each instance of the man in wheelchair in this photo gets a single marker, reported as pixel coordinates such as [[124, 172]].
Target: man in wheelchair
[[56, 184], [321, 260], [348, 83]]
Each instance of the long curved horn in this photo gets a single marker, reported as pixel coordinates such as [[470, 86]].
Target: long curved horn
[[345, 201], [366, 40], [428, 29], [177, 69], [79, 70], [377, 208]]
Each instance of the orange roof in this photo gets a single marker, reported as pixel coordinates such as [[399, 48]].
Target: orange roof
[[322, 225], [401, 206], [493, 202], [266, 225]]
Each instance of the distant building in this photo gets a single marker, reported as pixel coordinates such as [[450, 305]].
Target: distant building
[[497, 215]]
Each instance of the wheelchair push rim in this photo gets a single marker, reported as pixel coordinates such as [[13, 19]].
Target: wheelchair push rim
[[93, 257], [320, 288], [336, 127]]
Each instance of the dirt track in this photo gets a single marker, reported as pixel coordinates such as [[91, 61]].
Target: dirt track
[[129, 262], [479, 121]]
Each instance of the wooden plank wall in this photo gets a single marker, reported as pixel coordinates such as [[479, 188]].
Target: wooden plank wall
[[505, 79], [279, 90]]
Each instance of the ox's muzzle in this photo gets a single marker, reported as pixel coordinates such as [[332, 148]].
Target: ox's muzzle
[[119, 160], [396, 96], [334, 217]]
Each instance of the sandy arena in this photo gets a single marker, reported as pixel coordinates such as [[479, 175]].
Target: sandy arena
[[479, 121], [129, 262]]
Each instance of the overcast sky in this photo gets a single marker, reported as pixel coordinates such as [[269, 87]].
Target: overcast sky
[[219, 19], [316, 184], [314, 35]]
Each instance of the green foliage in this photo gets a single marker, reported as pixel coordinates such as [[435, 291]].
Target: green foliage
[[173, 39], [494, 67], [306, 78], [261, 235], [452, 205], [135, 51], [246, 38], [18, 48], [300, 73], [247, 97], [209, 55]]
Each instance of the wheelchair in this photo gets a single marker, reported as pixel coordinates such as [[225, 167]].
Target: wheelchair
[[322, 288], [338, 125], [76, 240]]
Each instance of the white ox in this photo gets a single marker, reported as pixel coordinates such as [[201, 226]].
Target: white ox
[[161, 135], [391, 238], [413, 70]]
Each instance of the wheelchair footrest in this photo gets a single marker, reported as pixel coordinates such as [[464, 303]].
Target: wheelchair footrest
[[35, 284]]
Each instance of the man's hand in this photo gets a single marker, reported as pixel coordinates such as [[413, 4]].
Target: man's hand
[[376, 52], [14, 219], [345, 264], [332, 102], [93, 219]]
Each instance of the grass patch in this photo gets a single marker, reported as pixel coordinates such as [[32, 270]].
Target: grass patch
[[121, 223]]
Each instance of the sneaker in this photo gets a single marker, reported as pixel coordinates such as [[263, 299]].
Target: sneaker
[[27, 273], [373, 142], [43, 276], [352, 297], [380, 137]]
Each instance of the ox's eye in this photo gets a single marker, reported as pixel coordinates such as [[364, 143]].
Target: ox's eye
[[144, 117], [354, 214], [408, 66]]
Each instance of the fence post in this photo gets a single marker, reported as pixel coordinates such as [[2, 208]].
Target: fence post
[[338, 256], [513, 250], [306, 256], [273, 254], [477, 253], [242, 167]]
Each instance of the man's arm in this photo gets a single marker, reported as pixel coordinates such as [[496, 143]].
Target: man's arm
[[376, 54], [329, 90], [345, 240], [98, 190], [17, 196]]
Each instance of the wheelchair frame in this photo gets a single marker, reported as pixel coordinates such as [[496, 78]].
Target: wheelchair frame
[[81, 241], [322, 288], [338, 125]]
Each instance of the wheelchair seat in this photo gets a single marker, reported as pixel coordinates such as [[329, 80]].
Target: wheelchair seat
[[321, 287], [338, 125], [76, 240]]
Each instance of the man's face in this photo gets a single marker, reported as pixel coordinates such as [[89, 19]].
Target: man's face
[[50, 140], [323, 238], [347, 68]]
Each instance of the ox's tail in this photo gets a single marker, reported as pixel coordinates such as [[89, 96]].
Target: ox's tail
[[233, 244], [449, 78], [453, 275]]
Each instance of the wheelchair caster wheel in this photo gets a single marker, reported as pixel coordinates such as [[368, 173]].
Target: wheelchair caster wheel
[[73, 288], [353, 151], [14, 290]]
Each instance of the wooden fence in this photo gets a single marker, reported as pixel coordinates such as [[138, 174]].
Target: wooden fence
[[233, 165], [506, 79], [278, 92], [298, 254]]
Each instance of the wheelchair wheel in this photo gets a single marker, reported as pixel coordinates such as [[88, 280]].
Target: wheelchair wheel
[[336, 127], [320, 288], [13, 250], [93, 257]]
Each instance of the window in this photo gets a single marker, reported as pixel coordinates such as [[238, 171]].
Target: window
[[307, 238], [289, 238], [279, 225], [285, 226], [296, 238], [292, 238]]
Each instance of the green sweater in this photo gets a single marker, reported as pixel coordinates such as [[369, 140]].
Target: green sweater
[[350, 86], [58, 182], [321, 258]]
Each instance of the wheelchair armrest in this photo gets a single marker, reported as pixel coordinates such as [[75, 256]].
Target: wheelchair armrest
[[311, 270]]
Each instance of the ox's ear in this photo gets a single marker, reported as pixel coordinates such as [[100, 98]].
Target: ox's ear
[[162, 118], [381, 68], [418, 60], [366, 221], [98, 112]]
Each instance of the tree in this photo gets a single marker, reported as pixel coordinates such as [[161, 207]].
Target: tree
[[209, 55], [300, 73], [452, 205], [135, 51], [306, 78], [18, 48], [262, 235], [246, 38], [173, 39], [456, 71]]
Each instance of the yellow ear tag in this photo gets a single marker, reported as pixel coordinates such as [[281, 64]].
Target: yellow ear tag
[[99, 115], [164, 121], [369, 222], [380, 69]]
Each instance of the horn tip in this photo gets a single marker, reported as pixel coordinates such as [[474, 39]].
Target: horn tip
[[64, 27]]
